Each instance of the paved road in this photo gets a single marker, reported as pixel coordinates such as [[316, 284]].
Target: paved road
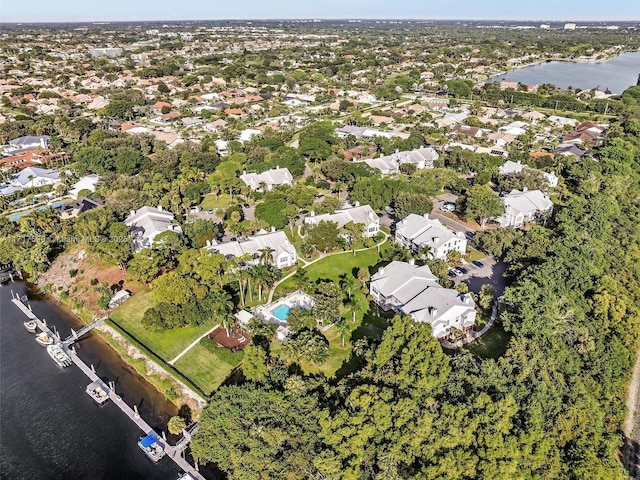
[[492, 272]]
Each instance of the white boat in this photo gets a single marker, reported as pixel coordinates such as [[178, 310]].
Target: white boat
[[44, 339], [96, 390], [59, 355], [151, 447], [30, 325]]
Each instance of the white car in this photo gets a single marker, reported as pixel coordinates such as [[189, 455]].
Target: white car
[[448, 207]]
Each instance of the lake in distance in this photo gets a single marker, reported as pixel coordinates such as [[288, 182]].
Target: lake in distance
[[617, 74]]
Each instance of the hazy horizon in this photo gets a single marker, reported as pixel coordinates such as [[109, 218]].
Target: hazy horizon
[[68, 11]]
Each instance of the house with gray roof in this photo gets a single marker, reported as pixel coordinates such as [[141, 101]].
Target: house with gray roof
[[418, 232], [147, 223], [408, 289], [24, 144], [267, 180], [283, 253], [421, 158], [363, 215], [523, 207], [512, 168], [35, 177]]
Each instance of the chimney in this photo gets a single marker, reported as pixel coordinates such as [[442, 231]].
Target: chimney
[[132, 212], [313, 214], [435, 239], [244, 172], [381, 270], [433, 311], [357, 204], [412, 261], [404, 221], [426, 216], [160, 207], [465, 298], [273, 229], [525, 189], [277, 167], [208, 243]]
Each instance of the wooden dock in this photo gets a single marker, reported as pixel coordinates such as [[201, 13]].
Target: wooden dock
[[175, 453]]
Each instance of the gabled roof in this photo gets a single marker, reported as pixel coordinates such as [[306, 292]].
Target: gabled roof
[[526, 201], [361, 214], [277, 241], [275, 176], [29, 140], [422, 230]]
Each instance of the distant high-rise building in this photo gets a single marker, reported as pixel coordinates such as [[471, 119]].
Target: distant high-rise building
[[569, 26]]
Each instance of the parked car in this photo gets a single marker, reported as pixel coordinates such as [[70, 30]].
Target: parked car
[[478, 263], [463, 270], [456, 272], [448, 207], [389, 210]]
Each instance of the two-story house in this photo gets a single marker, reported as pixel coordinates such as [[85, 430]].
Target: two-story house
[[363, 215], [421, 233], [411, 290]]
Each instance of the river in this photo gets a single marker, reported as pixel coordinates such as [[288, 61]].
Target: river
[[617, 74], [49, 427]]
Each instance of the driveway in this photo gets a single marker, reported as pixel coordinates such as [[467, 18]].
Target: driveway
[[492, 272]]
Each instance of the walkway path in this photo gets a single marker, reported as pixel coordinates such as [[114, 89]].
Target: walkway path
[[320, 257], [195, 342], [631, 448], [473, 336]]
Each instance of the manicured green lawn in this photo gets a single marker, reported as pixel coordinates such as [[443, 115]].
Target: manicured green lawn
[[330, 268], [474, 255], [166, 344], [206, 369], [493, 344], [211, 202]]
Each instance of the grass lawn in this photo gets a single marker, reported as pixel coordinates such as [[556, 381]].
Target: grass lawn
[[211, 202], [474, 255], [332, 267], [492, 344], [205, 368], [164, 344], [368, 321]]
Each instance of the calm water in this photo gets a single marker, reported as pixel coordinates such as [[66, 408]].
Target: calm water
[[49, 427], [617, 74]]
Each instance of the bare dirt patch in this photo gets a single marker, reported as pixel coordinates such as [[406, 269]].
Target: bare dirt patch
[[73, 272]]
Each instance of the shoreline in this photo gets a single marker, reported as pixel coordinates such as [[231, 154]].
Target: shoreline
[[604, 59], [130, 354]]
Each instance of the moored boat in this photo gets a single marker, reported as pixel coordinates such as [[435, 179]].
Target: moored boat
[[152, 448], [59, 355], [30, 325], [44, 339]]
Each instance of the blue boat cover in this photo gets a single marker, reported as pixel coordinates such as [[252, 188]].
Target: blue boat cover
[[148, 441]]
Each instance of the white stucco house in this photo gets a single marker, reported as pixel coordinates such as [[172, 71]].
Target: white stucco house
[[523, 207], [283, 253], [147, 223], [88, 182], [408, 289], [35, 177], [23, 144], [267, 180], [363, 215], [416, 232], [421, 158], [511, 168]]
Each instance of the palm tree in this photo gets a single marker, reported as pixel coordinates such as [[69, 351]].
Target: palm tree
[[348, 283], [355, 307], [364, 276], [223, 308], [343, 329], [266, 255], [260, 275]]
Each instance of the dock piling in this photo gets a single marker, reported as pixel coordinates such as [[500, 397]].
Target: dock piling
[[164, 436], [135, 409], [93, 369], [112, 386]]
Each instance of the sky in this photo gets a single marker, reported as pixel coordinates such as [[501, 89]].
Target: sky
[[136, 10]]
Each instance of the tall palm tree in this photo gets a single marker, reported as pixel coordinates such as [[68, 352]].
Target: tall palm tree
[[348, 283], [343, 329], [266, 255], [223, 308]]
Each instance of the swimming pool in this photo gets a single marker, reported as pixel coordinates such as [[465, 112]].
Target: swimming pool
[[281, 312]]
